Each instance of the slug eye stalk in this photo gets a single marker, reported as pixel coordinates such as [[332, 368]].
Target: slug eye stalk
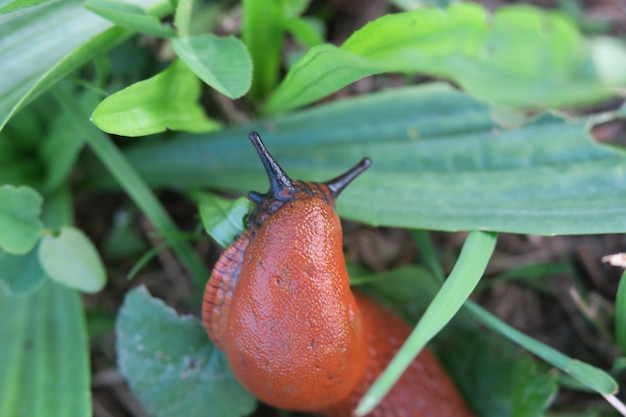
[[283, 188]]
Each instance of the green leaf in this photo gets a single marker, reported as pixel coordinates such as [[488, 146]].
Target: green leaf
[[20, 227], [498, 379], [223, 63], [439, 162], [263, 33], [522, 57], [130, 17], [408, 291], [304, 30], [171, 364], [294, 8], [169, 100], [59, 150], [466, 273], [132, 183], [182, 17], [20, 274], [534, 276], [41, 45], [221, 218], [44, 353], [9, 6], [592, 377], [71, 259], [38, 146]]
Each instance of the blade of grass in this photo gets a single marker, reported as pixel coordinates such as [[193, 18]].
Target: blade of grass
[[467, 271], [182, 17], [132, 183], [429, 255], [620, 313], [143, 261], [532, 275], [594, 378], [262, 32]]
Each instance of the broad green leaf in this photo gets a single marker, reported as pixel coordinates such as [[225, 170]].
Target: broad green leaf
[[223, 63], [20, 274], [9, 6], [222, 219], [171, 364], [521, 57], [45, 354], [497, 379], [439, 162], [40, 45], [169, 100], [466, 273], [71, 259], [20, 226], [130, 16]]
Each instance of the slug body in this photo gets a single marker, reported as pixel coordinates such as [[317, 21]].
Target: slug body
[[280, 306]]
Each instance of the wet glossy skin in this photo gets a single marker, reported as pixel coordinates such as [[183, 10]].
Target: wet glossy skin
[[279, 304]]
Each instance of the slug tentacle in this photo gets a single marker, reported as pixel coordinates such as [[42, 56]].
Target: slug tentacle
[[281, 186], [338, 184], [283, 189]]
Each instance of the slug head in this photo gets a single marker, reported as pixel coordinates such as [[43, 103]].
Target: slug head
[[284, 189]]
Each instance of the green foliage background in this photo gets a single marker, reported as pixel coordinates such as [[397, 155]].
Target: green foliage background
[[490, 156]]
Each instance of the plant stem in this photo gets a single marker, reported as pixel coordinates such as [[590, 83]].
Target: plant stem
[[182, 17], [132, 183]]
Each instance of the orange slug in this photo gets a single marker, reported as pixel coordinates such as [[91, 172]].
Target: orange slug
[[279, 304]]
